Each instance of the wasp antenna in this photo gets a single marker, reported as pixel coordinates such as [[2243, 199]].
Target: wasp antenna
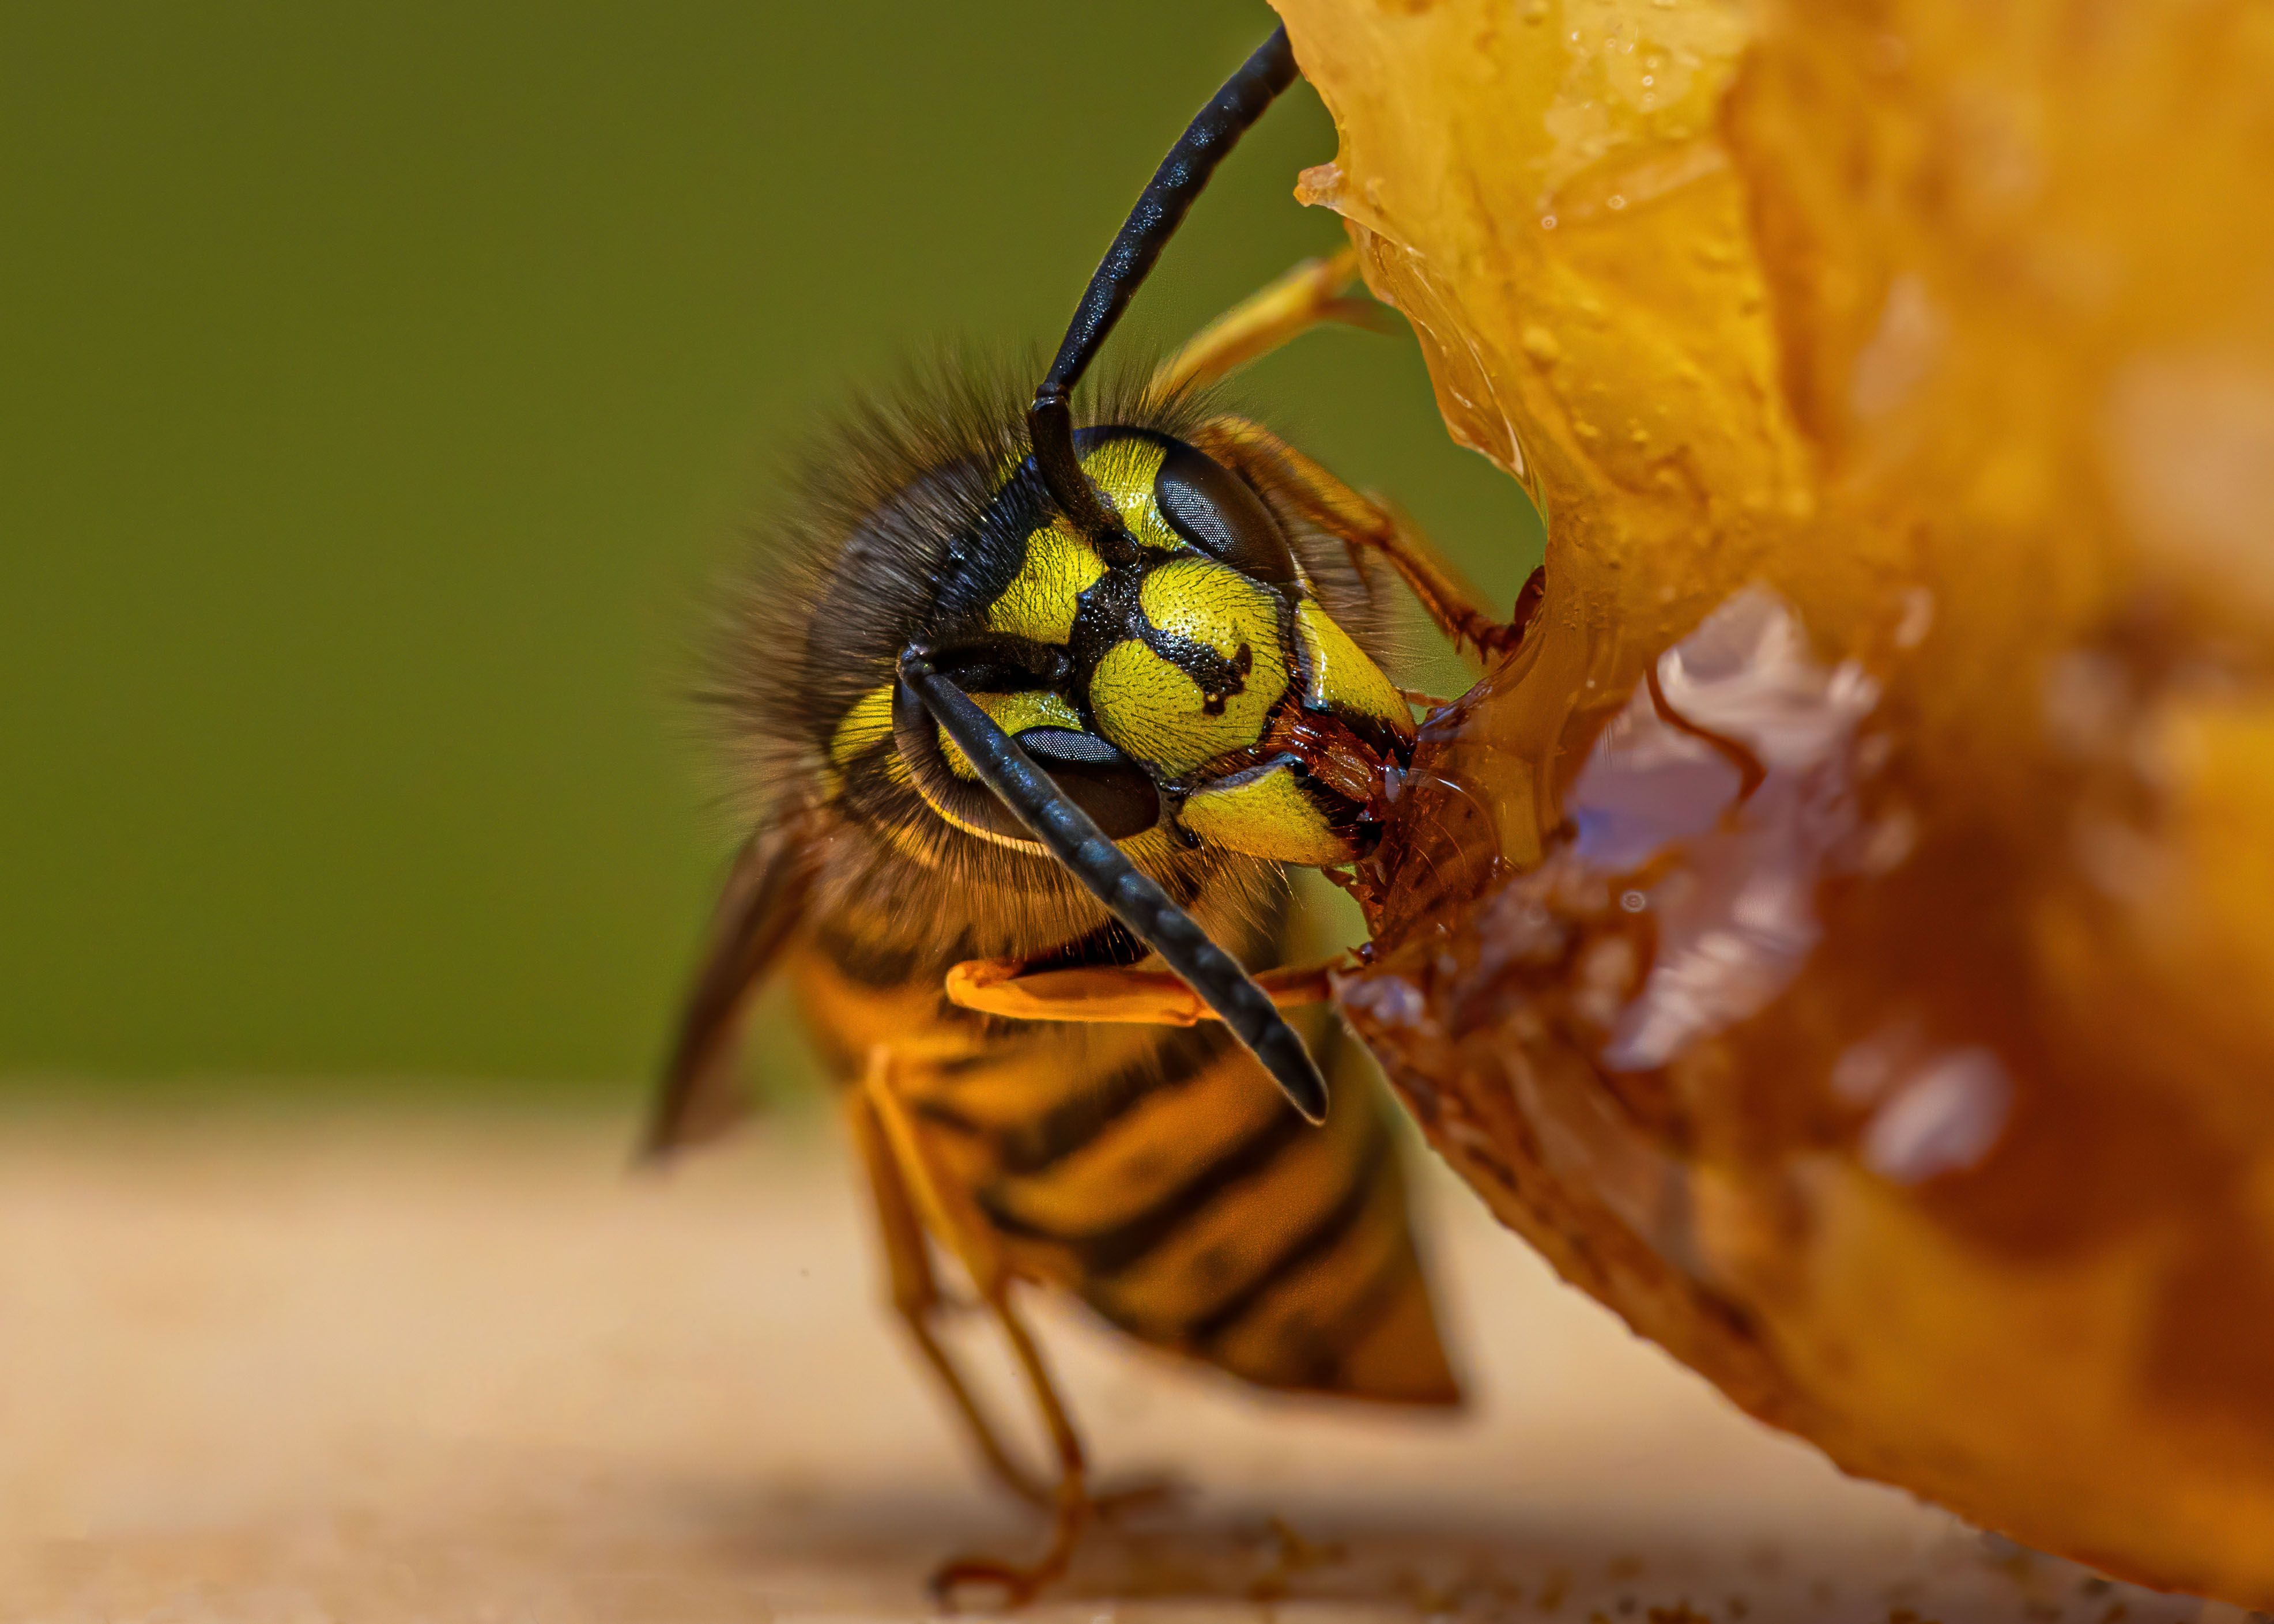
[[1067, 833], [1050, 432], [1160, 210]]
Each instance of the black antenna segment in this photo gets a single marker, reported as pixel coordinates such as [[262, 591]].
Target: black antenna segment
[[1160, 210], [1067, 833]]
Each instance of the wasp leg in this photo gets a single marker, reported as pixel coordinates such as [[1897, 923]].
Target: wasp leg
[[1129, 997], [964, 1233], [916, 1298], [1018, 1582], [1363, 525], [1288, 307]]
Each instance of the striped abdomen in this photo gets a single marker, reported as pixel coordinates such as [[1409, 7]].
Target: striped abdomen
[[1158, 1174]]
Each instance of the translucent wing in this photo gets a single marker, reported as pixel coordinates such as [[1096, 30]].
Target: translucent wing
[[701, 1096]]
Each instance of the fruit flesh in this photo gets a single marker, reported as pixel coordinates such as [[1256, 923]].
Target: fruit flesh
[[1880, 1012]]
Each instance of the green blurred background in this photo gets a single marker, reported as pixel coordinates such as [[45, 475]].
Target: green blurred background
[[381, 388]]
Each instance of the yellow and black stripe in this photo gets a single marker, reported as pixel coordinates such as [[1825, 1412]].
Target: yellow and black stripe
[[1159, 1175]]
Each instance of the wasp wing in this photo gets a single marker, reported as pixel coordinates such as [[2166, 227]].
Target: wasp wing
[[702, 1094]]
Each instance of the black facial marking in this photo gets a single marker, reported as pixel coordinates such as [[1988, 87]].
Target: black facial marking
[[1242, 661], [1110, 613], [977, 565], [996, 663]]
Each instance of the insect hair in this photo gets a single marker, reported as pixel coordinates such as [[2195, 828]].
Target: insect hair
[[884, 500]]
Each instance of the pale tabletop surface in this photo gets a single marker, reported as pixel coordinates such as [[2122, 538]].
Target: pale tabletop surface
[[432, 1368]]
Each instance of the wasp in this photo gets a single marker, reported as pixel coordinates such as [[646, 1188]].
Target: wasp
[[1046, 701]]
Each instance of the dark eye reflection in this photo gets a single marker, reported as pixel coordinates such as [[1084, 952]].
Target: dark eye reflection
[[1219, 512], [1115, 792]]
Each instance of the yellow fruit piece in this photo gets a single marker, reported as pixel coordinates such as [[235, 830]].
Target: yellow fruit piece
[[1880, 1014]]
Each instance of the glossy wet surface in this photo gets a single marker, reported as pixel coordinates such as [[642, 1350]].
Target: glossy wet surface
[[1838, 935], [394, 1369]]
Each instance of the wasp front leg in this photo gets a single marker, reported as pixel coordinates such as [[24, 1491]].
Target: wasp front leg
[[1363, 524], [1313, 292], [1118, 995]]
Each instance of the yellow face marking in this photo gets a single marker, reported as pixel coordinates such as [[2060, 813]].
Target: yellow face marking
[[1152, 710], [1268, 816], [1012, 712], [867, 723], [1041, 600], [1125, 470], [1156, 712], [1342, 678], [1215, 605]]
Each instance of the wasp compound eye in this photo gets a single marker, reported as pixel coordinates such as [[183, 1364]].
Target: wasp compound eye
[[1120, 796], [1115, 792], [1219, 512]]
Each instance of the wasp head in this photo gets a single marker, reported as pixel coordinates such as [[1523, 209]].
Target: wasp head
[[1182, 674]]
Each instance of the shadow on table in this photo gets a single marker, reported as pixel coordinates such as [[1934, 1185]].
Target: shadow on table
[[1407, 1561]]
